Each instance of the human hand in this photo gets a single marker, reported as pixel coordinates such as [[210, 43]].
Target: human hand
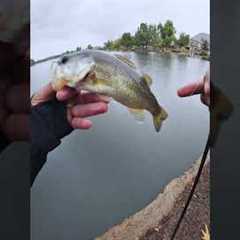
[[200, 87], [15, 112], [14, 86], [14, 94], [80, 105]]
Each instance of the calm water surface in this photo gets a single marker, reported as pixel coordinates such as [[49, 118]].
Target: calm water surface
[[96, 178]]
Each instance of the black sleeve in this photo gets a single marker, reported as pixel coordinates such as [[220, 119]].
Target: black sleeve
[[49, 125]]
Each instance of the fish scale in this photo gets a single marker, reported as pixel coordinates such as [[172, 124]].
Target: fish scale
[[111, 75]]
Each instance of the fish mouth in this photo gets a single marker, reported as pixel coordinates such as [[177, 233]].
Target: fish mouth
[[76, 78], [86, 71], [85, 76], [81, 82]]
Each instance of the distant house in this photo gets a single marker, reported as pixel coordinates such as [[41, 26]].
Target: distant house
[[197, 41], [200, 38], [195, 44]]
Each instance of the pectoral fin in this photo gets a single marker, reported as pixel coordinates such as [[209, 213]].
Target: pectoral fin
[[138, 114]]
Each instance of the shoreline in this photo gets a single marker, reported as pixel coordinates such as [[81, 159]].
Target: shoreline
[[179, 53], [196, 219], [156, 220]]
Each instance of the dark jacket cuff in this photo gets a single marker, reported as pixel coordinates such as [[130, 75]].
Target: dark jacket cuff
[[49, 125]]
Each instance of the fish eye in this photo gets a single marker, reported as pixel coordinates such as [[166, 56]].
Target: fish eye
[[63, 60]]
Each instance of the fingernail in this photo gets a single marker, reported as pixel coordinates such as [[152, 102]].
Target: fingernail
[[104, 108], [78, 123], [105, 98]]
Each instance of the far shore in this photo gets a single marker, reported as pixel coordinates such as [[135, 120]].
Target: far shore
[[180, 52]]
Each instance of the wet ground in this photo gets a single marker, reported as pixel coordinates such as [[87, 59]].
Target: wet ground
[[197, 215]]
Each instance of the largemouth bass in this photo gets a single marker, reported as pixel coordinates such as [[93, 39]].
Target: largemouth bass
[[110, 75]]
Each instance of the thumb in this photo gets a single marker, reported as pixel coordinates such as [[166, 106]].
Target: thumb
[[43, 95]]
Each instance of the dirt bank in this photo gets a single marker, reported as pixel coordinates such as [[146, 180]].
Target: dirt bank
[[198, 214], [157, 220]]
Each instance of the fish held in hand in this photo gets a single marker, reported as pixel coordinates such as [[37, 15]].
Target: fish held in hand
[[110, 75]]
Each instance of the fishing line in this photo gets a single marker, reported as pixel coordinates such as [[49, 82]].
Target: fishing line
[[203, 160]]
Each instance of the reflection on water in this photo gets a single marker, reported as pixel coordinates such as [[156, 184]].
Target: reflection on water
[[98, 177]]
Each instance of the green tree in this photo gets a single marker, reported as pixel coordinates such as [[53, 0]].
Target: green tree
[[108, 45], [155, 36], [142, 36], [112, 45], [184, 40], [89, 46], [127, 40], [117, 44], [161, 35], [167, 32]]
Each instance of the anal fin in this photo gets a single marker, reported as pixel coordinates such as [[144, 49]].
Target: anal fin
[[138, 114]]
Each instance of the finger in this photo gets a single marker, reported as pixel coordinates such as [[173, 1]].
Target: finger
[[206, 86], [191, 89], [44, 94], [3, 115], [16, 127], [69, 115], [89, 109], [205, 100], [17, 99], [7, 55], [66, 93], [91, 98], [81, 123], [5, 82], [46, 91]]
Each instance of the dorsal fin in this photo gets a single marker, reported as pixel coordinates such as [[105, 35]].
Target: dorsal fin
[[147, 79], [125, 60]]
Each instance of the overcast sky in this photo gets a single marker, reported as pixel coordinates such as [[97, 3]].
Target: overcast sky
[[57, 26]]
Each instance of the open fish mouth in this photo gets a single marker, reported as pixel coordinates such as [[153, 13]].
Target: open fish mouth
[[85, 71], [70, 76]]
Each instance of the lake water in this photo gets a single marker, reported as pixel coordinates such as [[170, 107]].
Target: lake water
[[96, 178]]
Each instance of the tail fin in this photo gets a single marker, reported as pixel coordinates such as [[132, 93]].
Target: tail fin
[[158, 118]]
